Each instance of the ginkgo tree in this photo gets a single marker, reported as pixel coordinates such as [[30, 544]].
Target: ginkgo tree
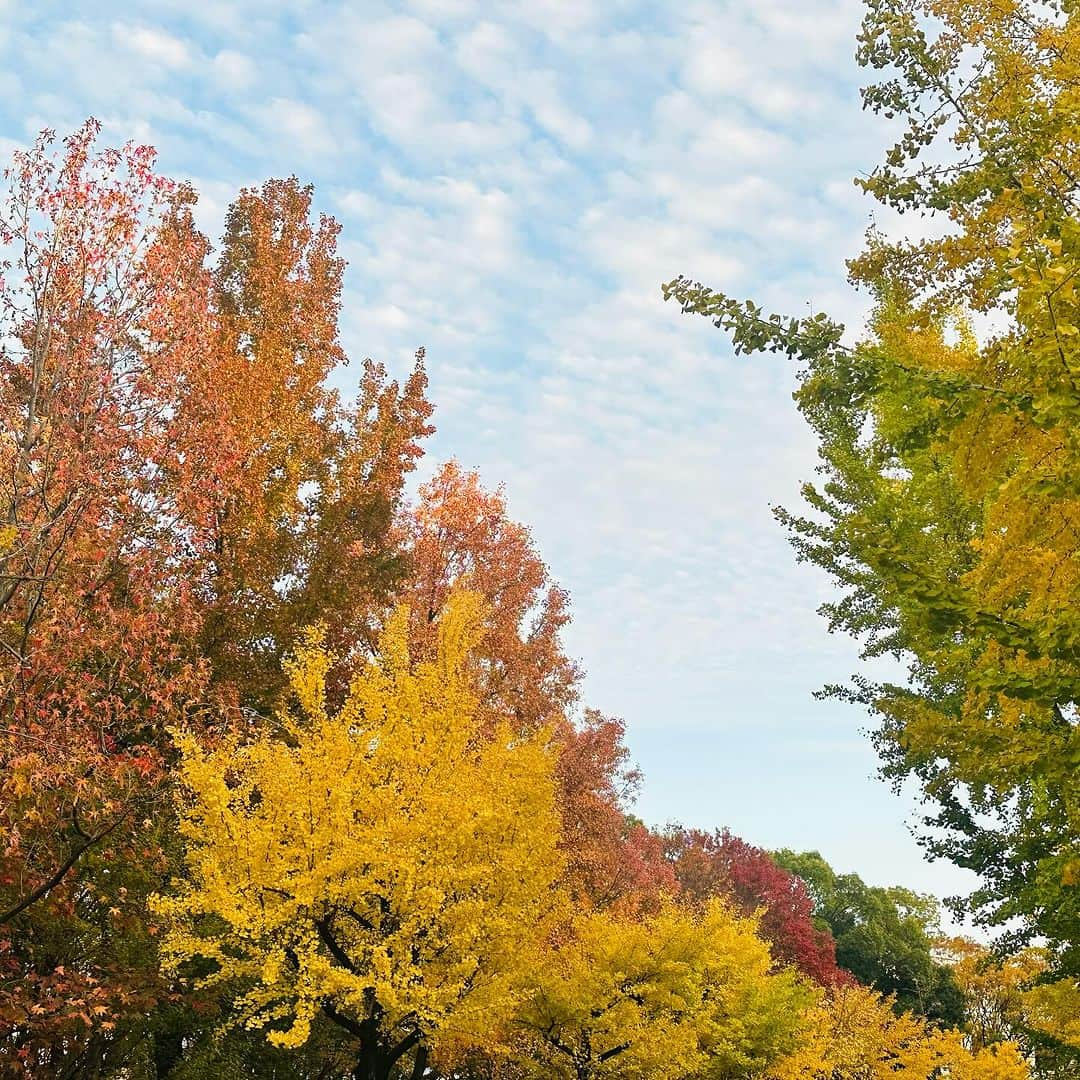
[[386, 866], [676, 994], [852, 1033], [948, 509]]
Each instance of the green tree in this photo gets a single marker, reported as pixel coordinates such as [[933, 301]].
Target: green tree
[[884, 936], [949, 505]]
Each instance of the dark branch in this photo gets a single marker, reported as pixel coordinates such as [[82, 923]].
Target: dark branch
[[50, 883], [346, 1023], [419, 1064], [403, 1047], [607, 1055], [331, 943]]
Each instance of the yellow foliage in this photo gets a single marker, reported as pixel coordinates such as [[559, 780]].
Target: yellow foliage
[[385, 864], [853, 1034], [1054, 1008], [674, 995], [995, 990]]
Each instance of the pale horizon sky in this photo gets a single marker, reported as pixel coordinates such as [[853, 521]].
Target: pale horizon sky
[[514, 181]]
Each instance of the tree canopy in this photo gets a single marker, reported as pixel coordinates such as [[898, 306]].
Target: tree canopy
[[885, 937], [386, 864], [946, 507]]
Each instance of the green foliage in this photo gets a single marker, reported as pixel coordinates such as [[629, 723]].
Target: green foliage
[[884, 937], [948, 509]]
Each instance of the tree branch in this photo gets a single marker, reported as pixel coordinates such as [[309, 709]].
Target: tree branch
[[346, 1023], [50, 883], [607, 1055], [419, 1064], [331, 943]]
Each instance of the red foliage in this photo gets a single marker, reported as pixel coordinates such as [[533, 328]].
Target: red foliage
[[719, 864], [613, 860], [180, 494], [103, 311]]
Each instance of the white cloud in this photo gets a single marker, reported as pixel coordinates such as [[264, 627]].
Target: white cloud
[[358, 204], [233, 70], [444, 10], [153, 45], [552, 114], [714, 140], [495, 58], [303, 127], [819, 32], [643, 251], [561, 19], [392, 64], [516, 178]]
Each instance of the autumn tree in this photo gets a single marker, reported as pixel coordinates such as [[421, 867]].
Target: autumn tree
[[460, 534], [853, 1034], [718, 864], [675, 994], [384, 866], [947, 511], [614, 862], [1005, 1000], [993, 990], [297, 513], [180, 492], [103, 307]]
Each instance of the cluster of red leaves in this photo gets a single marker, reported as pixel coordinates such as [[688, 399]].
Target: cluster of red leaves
[[720, 864], [93, 613], [614, 861]]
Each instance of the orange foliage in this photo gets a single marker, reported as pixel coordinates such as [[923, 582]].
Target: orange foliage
[[460, 535], [296, 508]]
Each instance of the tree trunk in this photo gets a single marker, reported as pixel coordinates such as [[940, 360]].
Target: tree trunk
[[376, 1062], [168, 1052], [419, 1063], [371, 1066]]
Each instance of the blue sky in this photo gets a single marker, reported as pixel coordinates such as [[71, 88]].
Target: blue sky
[[514, 179]]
